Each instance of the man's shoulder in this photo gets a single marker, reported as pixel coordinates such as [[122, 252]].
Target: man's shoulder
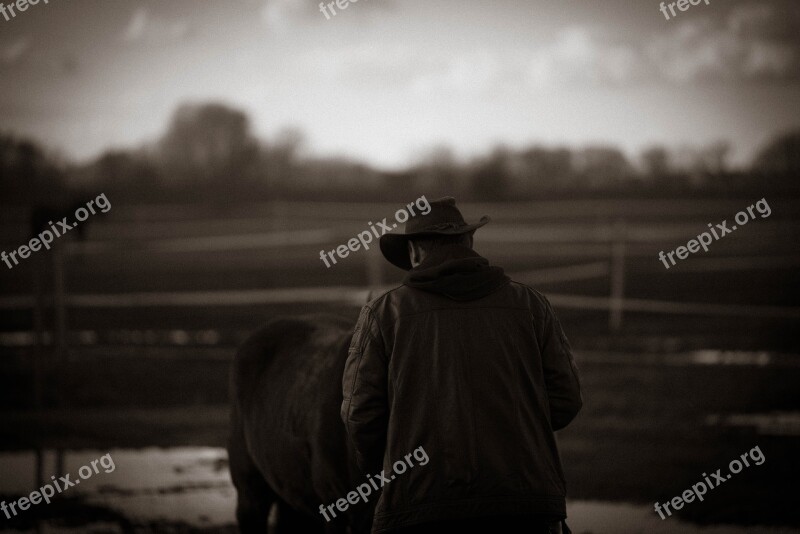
[[393, 300], [377, 297], [524, 289]]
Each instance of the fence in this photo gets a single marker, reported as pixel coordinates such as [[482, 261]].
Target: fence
[[611, 244]]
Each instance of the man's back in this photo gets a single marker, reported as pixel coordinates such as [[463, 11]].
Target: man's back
[[481, 385]]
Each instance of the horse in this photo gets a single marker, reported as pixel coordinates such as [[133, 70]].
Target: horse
[[288, 448]]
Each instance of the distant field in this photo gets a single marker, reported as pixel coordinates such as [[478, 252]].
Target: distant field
[[190, 249]]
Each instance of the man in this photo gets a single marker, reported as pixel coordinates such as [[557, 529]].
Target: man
[[474, 368]]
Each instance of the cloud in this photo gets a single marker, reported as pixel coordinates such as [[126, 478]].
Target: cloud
[[15, 52], [368, 63], [477, 72], [576, 55], [144, 27], [580, 55], [755, 42], [21, 54], [281, 14]]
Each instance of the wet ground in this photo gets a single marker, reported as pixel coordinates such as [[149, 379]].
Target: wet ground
[[187, 489], [652, 424]]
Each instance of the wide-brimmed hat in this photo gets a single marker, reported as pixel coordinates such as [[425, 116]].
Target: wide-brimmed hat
[[444, 218]]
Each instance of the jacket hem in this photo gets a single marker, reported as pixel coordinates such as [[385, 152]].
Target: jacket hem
[[465, 508]]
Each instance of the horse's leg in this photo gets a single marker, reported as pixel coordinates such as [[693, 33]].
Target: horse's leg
[[361, 522], [292, 522], [254, 497]]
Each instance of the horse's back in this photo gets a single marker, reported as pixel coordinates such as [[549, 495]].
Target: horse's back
[[285, 348], [286, 385]]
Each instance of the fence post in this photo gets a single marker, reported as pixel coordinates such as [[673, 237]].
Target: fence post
[[40, 458], [38, 364], [59, 461], [39, 269], [618, 245], [59, 304]]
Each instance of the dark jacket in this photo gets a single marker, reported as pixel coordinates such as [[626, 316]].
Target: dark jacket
[[475, 369]]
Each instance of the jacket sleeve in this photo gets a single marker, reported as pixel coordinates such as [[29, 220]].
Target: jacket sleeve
[[365, 410], [560, 372]]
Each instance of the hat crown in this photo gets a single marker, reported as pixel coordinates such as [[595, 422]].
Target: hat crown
[[443, 215]]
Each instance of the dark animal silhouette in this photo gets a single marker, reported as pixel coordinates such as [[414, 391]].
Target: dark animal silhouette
[[288, 446]]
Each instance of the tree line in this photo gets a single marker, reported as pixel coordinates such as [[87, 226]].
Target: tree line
[[210, 154]]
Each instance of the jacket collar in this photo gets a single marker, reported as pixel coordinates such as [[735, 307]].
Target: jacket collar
[[456, 272]]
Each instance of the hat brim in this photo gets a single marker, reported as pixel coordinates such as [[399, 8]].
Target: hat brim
[[394, 247]]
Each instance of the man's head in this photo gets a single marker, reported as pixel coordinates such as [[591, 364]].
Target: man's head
[[425, 232], [422, 246]]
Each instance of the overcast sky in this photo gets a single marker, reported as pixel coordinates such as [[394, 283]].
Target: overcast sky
[[385, 80]]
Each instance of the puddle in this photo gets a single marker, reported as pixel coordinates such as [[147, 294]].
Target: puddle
[[120, 336], [592, 517], [189, 487], [709, 357], [766, 424], [731, 357]]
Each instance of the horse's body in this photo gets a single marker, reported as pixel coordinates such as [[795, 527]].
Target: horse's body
[[288, 446]]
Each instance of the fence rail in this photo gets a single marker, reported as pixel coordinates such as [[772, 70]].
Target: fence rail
[[355, 295]]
